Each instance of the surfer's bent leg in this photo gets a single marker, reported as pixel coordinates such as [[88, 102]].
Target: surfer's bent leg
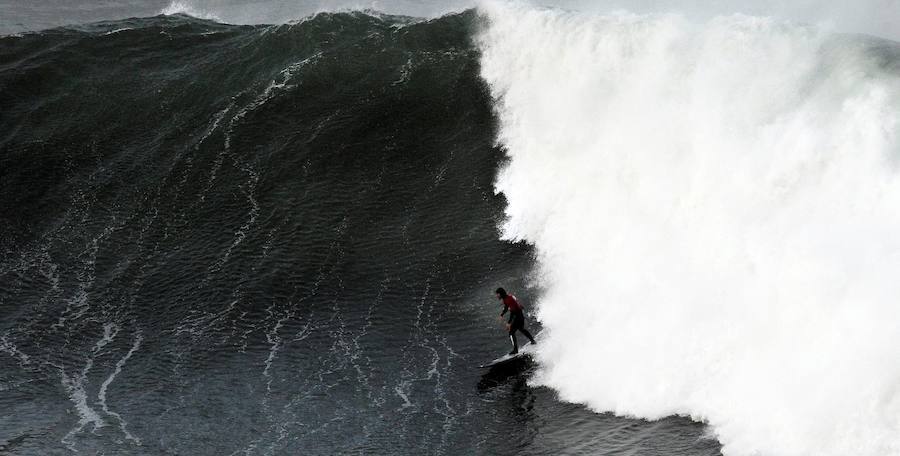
[[516, 322], [528, 335]]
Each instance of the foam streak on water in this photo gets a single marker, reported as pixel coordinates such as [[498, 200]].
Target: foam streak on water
[[75, 385], [715, 207], [101, 396]]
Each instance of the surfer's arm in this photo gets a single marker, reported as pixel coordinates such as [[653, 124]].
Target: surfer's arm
[[505, 308]]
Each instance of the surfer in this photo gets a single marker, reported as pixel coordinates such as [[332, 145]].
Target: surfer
[[516, 320]]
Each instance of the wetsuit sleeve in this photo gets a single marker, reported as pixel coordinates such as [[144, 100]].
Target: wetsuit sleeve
[[505, 308]]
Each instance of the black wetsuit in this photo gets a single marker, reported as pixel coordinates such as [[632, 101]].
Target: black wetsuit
[[516, 321]]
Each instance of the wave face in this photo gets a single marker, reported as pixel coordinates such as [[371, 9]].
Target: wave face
[[265, 240], [715, 208]]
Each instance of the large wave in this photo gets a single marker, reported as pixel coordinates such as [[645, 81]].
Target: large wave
[[279, 239], [716, 208]]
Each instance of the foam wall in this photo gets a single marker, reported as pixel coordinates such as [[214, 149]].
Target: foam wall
[[716, 208]]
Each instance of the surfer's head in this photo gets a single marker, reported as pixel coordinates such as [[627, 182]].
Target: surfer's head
[[501, 293]]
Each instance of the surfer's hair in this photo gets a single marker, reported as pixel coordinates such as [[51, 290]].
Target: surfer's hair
[[500, 291]]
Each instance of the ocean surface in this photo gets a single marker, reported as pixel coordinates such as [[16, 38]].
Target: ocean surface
[[283, 238]]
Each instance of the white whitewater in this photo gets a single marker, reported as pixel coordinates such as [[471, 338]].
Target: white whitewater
[[716, 208]]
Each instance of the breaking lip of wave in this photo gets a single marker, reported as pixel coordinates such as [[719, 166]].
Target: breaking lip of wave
[[876, 17], [715, 207], [179, 7], [282, 12]]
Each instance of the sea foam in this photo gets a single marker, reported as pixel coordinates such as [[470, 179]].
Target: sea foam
[[186, 8], [715, 207]]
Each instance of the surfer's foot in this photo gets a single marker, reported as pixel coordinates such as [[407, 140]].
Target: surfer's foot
[[513, 352]]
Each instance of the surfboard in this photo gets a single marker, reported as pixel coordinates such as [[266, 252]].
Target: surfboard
[[524, 350]]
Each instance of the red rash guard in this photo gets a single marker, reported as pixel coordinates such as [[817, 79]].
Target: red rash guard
[[510, 303]]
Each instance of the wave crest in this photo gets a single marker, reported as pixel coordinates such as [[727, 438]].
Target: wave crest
[[179, 7]]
